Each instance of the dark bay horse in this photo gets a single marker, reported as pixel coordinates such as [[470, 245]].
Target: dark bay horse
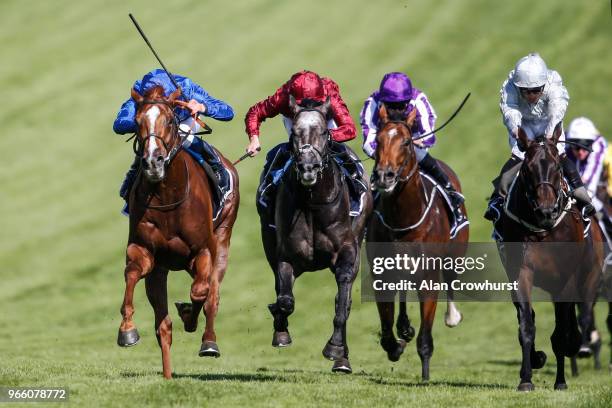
[[171, 228], [545, 245], [410, 211], [313, 228]]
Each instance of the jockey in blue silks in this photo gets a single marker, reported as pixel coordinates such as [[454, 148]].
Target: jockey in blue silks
[[199, 102]]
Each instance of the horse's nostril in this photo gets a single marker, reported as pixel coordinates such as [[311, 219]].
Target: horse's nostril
[[160, 158], [390, 174], [145, 164]]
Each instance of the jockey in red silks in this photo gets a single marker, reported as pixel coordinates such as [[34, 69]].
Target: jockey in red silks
[[397, 94], [309, 87]]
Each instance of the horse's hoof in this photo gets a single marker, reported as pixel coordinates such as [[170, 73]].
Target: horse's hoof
[[453, 319], [281, 339], [332, 352], [585, 352], [525, 387], [209, 349], [342, 365], [560, 386], [184, 310], [399, 350], [538, 360], [407, 334], [128, 338]]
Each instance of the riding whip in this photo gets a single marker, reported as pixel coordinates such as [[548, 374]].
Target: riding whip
[[449, 119], [244, 156], [144, 37]]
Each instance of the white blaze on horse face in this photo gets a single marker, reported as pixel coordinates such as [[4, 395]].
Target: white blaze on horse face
[[392, 132], [152, 115], [309, 120]]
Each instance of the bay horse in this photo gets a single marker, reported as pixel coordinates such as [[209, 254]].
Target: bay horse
[[313, 228], [410, 211], [545, 245], [171, 228]]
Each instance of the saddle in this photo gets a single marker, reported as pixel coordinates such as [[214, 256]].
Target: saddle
[[279, 160], [220, 192]]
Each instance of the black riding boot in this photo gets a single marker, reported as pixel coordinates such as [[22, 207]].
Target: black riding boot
[[209, 155], [430, 165], [579, 192], [128, 182], [501, 184]]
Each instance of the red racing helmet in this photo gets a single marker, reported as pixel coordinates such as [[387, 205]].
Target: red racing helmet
[[307, 85]]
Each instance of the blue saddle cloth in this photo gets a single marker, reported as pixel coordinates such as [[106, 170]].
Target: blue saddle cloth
[[278, 161]]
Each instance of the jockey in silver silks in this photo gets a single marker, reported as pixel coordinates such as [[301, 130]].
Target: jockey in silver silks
[[533, 98], [397, 94]]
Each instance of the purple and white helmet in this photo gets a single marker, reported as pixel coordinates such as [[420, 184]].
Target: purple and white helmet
[[395, 87]]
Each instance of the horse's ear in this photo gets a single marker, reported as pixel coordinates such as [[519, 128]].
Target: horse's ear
[[293, 106], [411, 117], [326, 105], [174, 95], [137, 97], [522, 137], [557, 133], [383, 115]]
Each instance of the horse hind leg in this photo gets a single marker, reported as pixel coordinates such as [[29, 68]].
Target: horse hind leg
[[453, 316], [404, 328], [394, 347], [139, 262], [156, 285], [210, 348]]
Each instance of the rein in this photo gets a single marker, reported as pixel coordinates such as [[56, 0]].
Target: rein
[[176, 204]]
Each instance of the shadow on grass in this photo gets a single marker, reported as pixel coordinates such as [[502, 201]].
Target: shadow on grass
[[508, 363], [457, 384]]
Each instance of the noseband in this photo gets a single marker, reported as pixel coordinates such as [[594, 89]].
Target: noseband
[[138, 147]]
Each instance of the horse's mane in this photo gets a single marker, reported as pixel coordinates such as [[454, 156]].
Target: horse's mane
[[156, 92], [308, 103], [397, 115]]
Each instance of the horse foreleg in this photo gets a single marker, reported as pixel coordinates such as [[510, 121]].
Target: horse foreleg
[[345, 271], [156, 285], [200, 289], [565, 339], [139, 262], [284, 306], [527, 342], [425, 344], [609, 324]]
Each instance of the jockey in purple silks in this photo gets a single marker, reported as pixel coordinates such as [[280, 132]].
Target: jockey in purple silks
[[397, 94]]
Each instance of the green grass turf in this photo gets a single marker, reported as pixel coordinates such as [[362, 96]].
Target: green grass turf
[[66, 68]]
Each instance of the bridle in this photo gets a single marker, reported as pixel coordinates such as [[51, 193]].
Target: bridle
[[406, 144], [308, 148], [531, 190], [138, 147]]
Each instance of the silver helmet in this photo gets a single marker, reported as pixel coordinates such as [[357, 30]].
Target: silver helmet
[[530, 72]]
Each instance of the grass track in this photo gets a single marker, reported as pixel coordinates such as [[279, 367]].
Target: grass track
[[66, 68]]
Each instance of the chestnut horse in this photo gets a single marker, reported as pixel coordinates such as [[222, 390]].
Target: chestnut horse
[[409, 211], [545, 245], [171, 228]]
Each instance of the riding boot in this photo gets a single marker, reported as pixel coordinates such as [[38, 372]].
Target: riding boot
[[579, 192], [501, 185], [209, 155], [430, 165], [128, 182]]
